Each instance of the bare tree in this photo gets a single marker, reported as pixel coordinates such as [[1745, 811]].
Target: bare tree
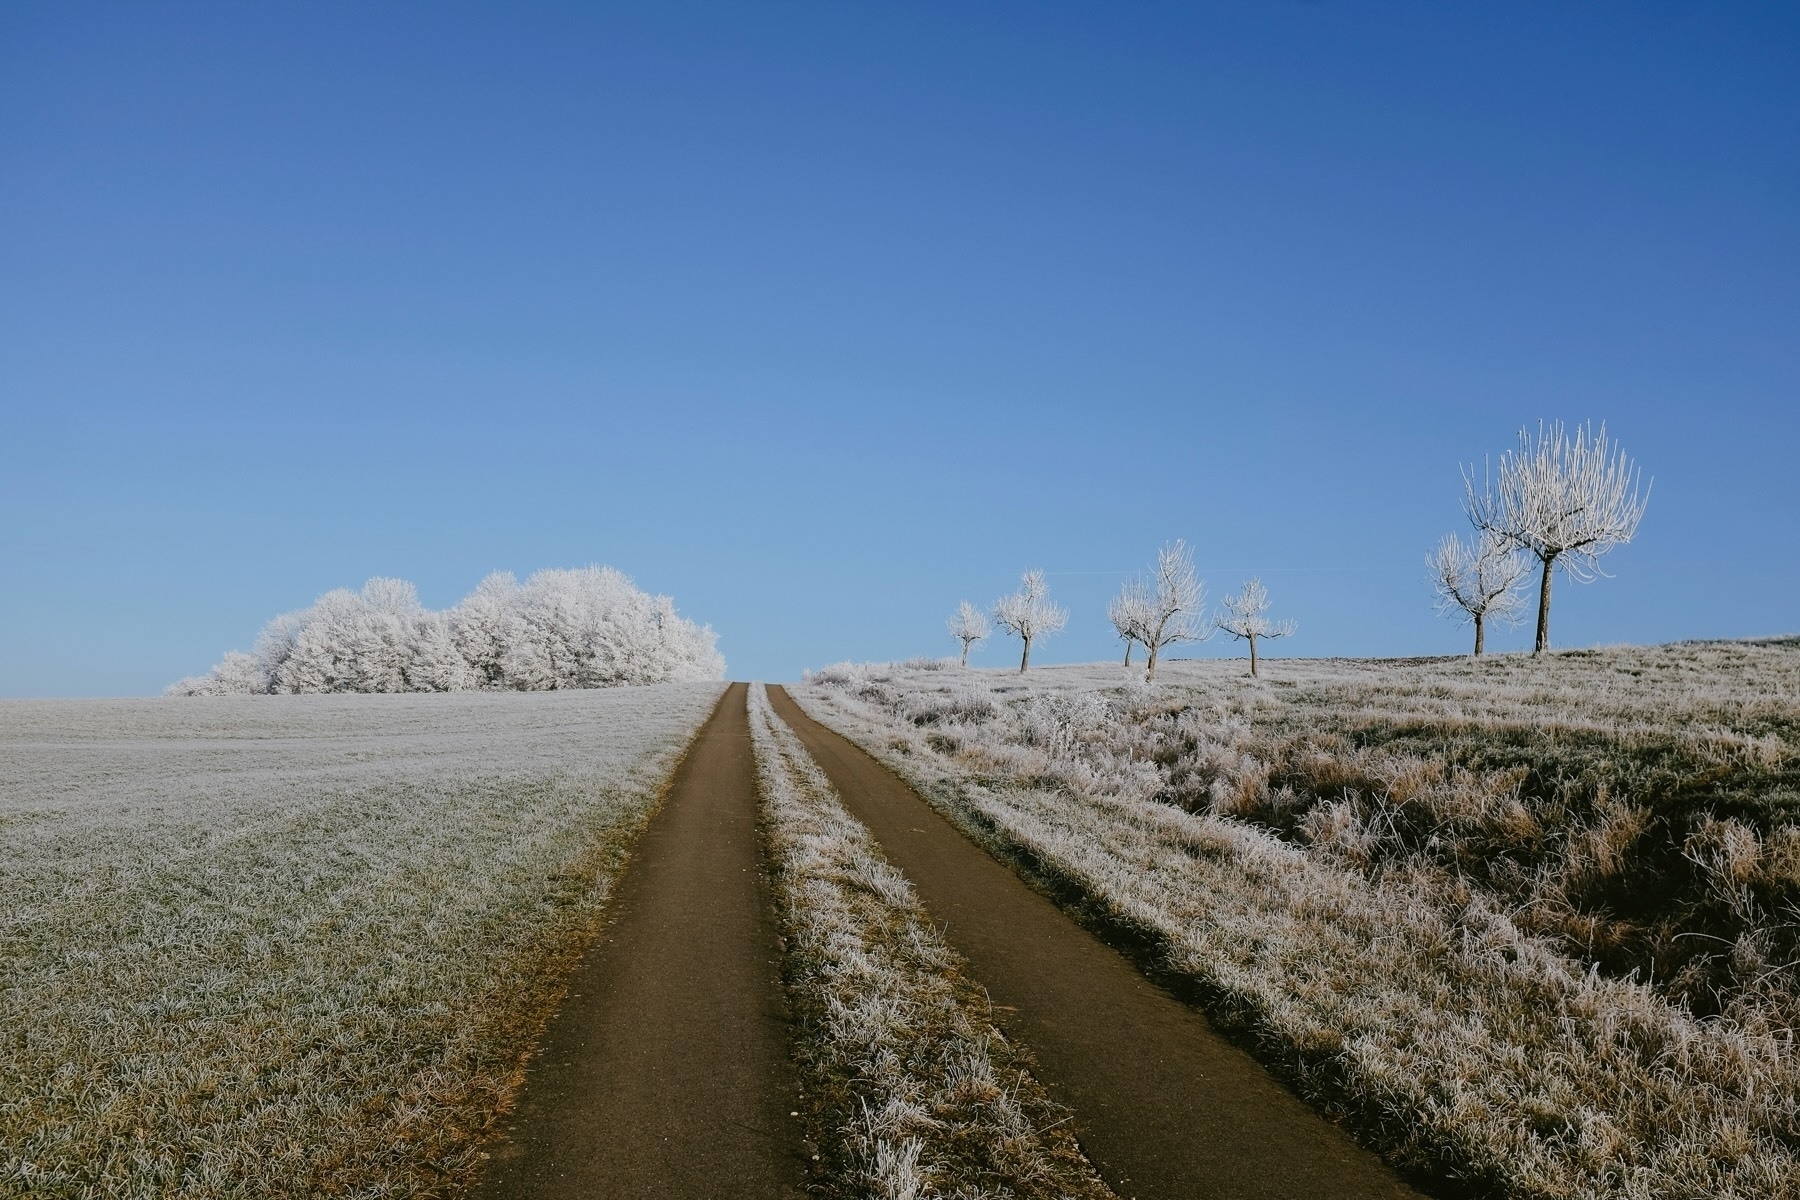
[[1028, 613], [1174, 598], [1129, 612], [1566, 499], [968, 625], [1245, 617], [1477, 582]]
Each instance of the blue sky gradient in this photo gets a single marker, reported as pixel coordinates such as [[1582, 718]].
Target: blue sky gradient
[[823, 317]]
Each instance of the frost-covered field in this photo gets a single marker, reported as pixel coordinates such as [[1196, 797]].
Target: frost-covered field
[[1528, 924], [914, 1091], [278, 946]]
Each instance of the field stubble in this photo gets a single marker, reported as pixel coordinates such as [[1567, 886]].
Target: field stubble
[[268, 946]]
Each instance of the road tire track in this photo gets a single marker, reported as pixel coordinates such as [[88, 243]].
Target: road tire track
[[668, 1071], [1163, 1105]]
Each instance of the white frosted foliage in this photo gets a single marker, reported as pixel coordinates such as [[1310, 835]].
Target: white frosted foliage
[[585, 628]]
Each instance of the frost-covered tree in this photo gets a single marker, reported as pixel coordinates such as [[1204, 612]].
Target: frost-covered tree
[[968, 625], [1567, 498], [1029, 613], [1129, 612], [485, 626], [325, 646], [275, 645], [382, 637], [592, 628], [560, 629], [1245, 617], [1173, 597], [1477, 583], [435, 664]]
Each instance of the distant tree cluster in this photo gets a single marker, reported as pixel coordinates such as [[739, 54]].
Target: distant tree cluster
[[1157, 611], [584, 628]]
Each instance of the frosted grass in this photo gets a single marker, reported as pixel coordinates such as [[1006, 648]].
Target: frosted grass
[[1393, 993], [278, 946], [913, 1092]]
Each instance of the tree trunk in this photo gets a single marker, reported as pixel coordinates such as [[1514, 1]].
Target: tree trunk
[[1253, 654], [1543, 632], [1025, 658], [1128, 645], [965, 657], [1478, 632], [1151, 672]]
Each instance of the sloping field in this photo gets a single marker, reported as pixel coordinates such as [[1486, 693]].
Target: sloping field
[[268, 946], [1525, 926]]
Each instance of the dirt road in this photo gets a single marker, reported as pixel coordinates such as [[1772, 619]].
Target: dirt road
[[668, 1071], [1162, 1104]]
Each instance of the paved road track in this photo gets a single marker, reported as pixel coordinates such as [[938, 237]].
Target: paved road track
[[668, 1073]]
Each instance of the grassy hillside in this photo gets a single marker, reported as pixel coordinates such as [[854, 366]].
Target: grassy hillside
[[270, 946], [1527, 924]]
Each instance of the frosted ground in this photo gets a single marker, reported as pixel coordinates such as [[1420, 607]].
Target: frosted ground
[[278, 945], [1525, 924], [916, 1091]]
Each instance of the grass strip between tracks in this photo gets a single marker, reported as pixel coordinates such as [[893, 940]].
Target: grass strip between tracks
[[910, 1089]]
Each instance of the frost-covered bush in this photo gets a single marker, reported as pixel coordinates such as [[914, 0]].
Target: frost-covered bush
[[236, 674], [838, 674], [583, 628], [968, 704]]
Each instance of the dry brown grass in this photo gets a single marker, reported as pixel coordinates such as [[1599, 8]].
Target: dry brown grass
[[1436, 890]]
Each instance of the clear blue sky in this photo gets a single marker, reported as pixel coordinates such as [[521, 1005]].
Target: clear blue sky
[[822, 317]]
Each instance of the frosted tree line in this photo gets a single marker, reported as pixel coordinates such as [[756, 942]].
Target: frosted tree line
[[1564, 497], [584, 628], [1163, 608]]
